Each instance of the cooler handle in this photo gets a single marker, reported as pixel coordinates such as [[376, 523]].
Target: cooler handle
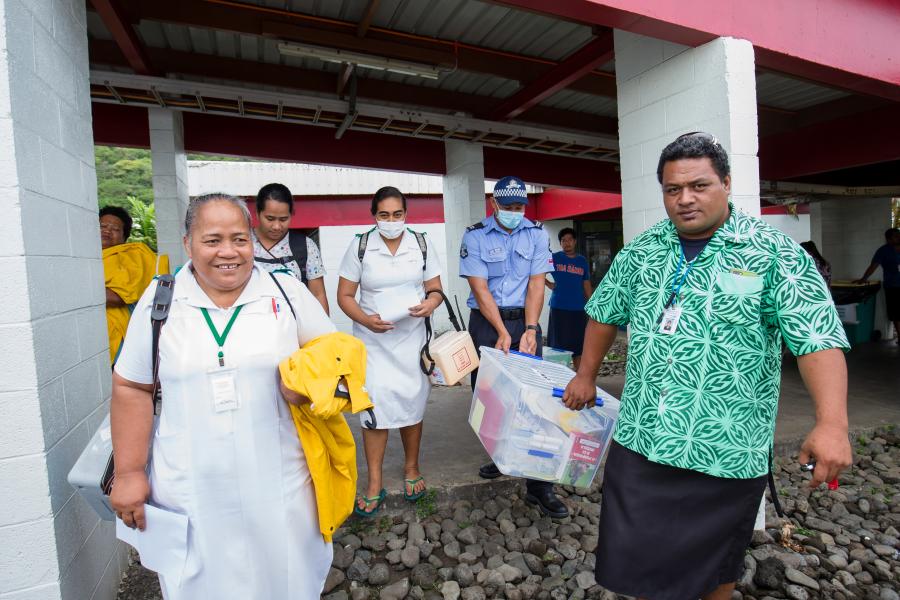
[[558, 393]]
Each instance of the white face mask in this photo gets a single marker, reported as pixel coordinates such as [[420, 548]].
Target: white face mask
[[391, 229]]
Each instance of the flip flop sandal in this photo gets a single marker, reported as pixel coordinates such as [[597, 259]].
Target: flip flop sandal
[[376, 500], [412, 485]]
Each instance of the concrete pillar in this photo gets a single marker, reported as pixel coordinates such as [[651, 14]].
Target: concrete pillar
[[463, 206], [849, 231], [54, 361], [665, 90], [170, 175]]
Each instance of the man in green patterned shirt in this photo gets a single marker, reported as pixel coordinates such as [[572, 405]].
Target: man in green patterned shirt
[[709, 295]]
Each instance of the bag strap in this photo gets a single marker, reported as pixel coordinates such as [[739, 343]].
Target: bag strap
[[159, 312], [423, 247], [284, 295], [297, 242], [426, 349]]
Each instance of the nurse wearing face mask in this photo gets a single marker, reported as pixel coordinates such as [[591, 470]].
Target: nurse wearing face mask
[[505, 258], [384, 263]]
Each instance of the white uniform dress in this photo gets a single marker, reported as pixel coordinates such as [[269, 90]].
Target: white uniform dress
[[239, 475], [396, 384]]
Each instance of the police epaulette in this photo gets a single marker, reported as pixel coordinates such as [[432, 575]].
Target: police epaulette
[[478, 225], [538, 224]]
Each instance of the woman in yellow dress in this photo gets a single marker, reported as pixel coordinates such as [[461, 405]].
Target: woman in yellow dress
[[128, 269]]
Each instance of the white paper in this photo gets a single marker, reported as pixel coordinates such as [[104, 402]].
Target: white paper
[[163, 543], [394, 304]]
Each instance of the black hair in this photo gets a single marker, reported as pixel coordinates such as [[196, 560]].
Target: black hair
[[566, 231], [274, 191], [696, 145], [121, 214], [387, 192], [813, 251], [891, 232]]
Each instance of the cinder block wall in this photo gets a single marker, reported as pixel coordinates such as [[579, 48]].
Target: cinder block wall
[[54, 365]]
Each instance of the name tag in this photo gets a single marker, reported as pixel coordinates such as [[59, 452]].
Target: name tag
[[669, 322], [222, 383]]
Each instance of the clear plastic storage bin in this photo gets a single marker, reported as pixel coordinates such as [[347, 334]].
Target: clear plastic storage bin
[[520, 419]]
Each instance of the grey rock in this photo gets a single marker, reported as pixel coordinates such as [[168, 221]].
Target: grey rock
[[889, 594], [339, 595], [396, 591], [410, 556], [423, 575], [864, 506], [425, 549], [492, 549], [864, 578], [537, 547], [796, 592], [335, 578], [435, 561], [399, 528], [415, 535], [529, 589], [467, 536], [393, 557], [416, 593], [397, 544], [792, 574], [552, 583], [343, 556], [838, 561], [464, 575], [746, 580], [452, 549], [863, 555], [450, 590], [494, 562], [883, 550], [376, 543], [534, 563], [589, 543], [506, 526], [352, 541], [433, 531], [358, 570], [567, 550], [477, 550], [769, 574], [854, 567], [585, 580], [475, 592], [509, 573], [467, 557], [379, 574], [822, 525], [845, 578], [359, 593], [446, 573]]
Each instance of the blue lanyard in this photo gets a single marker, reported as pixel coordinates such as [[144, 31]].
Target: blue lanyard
[[677, 282]]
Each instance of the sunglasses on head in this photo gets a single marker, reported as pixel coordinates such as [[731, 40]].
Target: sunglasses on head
[[699, 134]]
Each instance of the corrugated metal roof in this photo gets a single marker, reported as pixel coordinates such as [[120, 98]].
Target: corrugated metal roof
[[787, 93]]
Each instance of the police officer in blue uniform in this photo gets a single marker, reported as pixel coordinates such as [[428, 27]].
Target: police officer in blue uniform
[[505, 258]]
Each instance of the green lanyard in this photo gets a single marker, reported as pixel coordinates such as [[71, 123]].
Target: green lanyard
[[220, 339]]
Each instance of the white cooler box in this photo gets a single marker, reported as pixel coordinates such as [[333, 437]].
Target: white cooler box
[[92, 468], [527, 431]]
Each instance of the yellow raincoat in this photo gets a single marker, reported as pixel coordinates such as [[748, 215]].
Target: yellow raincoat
[[128, 270], [314, 372]]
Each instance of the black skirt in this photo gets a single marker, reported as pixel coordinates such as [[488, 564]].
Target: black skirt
[[668, 533], [566, 330]]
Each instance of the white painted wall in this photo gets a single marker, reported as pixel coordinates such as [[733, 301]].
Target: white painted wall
[[54, 362], [797, 228], [170, 174], [847, 233], [665, 90]]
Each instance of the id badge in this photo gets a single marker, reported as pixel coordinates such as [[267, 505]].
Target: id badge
[[670, 318], [223, 384]]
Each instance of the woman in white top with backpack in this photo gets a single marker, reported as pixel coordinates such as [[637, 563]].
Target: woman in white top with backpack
[[380, 263]]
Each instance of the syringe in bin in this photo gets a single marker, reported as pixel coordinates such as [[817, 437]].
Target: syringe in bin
[[558, 393]]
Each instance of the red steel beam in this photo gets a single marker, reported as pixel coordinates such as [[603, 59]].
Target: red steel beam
[[117, 22], [597, 52], [204, 65], [852, 45], [848, 141], [276, 140], [564, 203]]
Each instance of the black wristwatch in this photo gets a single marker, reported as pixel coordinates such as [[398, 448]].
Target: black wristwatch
[[533, 327]]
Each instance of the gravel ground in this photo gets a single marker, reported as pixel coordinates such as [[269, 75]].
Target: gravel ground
[[840, 544]]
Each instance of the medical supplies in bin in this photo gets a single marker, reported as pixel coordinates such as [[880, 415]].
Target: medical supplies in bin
[[518, 415], [561, 357]]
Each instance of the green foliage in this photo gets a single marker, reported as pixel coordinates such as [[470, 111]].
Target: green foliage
[[143, 228], [123, 173], [425, 506]]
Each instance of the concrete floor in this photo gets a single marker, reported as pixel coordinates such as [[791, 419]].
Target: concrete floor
[[451, 453]]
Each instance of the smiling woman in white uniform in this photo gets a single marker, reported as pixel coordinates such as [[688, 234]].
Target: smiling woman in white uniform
[[231, 462], [397, 386]]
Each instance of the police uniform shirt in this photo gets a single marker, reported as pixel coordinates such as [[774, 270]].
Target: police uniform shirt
[[505, 260]]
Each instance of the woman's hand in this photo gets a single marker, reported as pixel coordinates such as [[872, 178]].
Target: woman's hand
[[426, 307], [289, 395], [129, 493], [376, 325]]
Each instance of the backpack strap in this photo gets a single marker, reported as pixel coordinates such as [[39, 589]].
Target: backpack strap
[[363, 244], [159, 312], [423, 246], [284, 295], [297, 242]]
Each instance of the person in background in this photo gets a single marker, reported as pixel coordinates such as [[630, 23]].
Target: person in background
[[571, 287], [383, 260], [708, 293], [128, 268], [822, 265], [276, 246], [226, 453], [888, 258], [505, 259]]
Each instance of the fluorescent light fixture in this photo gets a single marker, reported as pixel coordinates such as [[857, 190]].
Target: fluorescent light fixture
[[366, 61]]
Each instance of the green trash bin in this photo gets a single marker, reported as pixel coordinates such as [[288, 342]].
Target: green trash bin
[[856, 308]]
